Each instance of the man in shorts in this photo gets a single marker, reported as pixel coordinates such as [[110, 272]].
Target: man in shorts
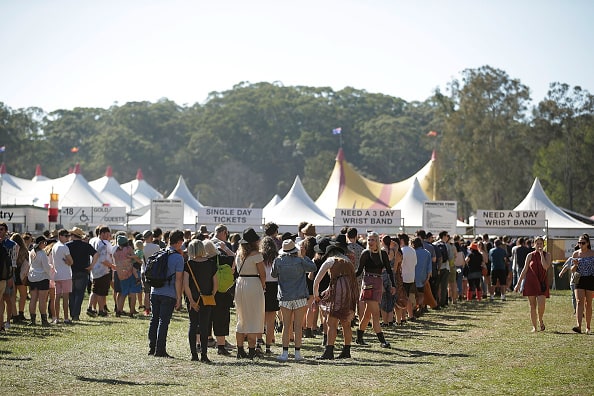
[[100, 272]]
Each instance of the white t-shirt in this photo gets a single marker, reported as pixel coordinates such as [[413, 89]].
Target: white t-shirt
[[409, 262], [105, 249], [58, 256], [149, 249]]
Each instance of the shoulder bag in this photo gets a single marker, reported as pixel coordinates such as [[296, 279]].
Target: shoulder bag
[[206, 299]]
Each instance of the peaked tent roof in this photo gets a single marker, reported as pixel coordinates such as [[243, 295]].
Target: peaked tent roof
[[73, 190], [560, 224], [346, 188], [141, 190], [276, 199], [38, 174], [109, 190], [411, 205], [295, 207]]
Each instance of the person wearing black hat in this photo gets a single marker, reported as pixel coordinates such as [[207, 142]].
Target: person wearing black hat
[[39, 278], [249, 293], [339, 300]]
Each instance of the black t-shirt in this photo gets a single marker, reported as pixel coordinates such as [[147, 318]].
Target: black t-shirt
[[372, 263], [81, 253], [521, 254], [203, 271]]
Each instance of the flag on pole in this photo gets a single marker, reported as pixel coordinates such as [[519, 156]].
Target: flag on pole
[[74, 150], [2, 149], [432, 133], [337, 131]]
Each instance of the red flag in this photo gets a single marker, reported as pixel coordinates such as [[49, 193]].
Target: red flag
[[432, 133], [74, 150]]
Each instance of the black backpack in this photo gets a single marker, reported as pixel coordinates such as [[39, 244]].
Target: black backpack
[[157, 267], [5, 263], [443, 249]]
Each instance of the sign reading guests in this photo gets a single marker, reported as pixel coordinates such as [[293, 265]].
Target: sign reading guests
[[510, 218], [230, 216], [379, 220], [440, 216], [92, 215]]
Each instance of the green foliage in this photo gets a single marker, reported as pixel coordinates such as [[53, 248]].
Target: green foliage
[[246, 144]]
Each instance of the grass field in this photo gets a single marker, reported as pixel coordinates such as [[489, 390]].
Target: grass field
[[472, 348]]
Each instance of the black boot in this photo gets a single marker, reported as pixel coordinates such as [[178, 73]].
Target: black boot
[[382, 339], [359, 340], [44, 321], [325, 340], [241, 353], [204, 358], [328, 353], [309, 333], [346, 352], [33, 318]]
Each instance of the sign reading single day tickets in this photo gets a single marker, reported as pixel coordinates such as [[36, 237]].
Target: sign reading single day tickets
[[230, 216], [93, 215], [167, 213], [440, 216], [510, 218], [379, 220]]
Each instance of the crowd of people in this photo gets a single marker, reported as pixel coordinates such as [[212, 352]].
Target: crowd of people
[[299, 284]]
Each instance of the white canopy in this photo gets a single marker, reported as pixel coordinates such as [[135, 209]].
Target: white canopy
[[295, 207], [110, 191], [141, 190]]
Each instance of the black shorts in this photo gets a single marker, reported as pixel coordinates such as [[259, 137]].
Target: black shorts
[[41, 285], [420, 289], [271, 297], [101, 285], [586, 283], [499, 275], [409, 288]]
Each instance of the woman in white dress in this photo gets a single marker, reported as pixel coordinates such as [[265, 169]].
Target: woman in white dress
[[249, 293]]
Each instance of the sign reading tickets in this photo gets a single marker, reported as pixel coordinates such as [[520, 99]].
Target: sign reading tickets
[[440, 216], [92, 215], [510, 218], [230, 216], [376, 219], [167, 213]]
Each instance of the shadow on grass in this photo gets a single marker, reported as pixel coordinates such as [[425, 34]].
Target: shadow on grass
[[111, 381], [4, 356]]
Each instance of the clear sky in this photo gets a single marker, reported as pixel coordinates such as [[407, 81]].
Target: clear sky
[[59, 54]]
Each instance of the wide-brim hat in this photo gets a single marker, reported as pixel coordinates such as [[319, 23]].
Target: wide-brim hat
[[334, 246], [40, 239], [341, 241], [321, 246], [77, 232], [288, 247], [249, 236], [288, 235], [309, 230]]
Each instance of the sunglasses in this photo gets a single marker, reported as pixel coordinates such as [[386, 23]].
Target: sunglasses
[[582, 242]]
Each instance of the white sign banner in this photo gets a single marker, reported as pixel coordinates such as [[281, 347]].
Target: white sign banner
[[167, 213], [230, 216], [510, 218], [92, 216], [379, 220], [440, 216]]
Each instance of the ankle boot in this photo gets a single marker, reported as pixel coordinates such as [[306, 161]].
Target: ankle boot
[[241, 353], [309, 333], [204, 358], [328, 353], [382, 340], [251, 353], [345, 353], [359, 339], [33, 318], [44, 321], [325, 340]]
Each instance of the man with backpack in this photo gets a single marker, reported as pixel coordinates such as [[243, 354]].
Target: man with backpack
[[166, 298]]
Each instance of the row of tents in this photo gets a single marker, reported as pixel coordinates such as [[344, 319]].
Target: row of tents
[[346, 188]]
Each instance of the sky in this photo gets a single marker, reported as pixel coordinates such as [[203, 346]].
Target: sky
[[59, 54]]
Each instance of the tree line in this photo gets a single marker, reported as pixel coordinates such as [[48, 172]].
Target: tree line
[[246, 144]]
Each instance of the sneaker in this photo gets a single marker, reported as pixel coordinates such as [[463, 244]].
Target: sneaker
[[55, 321], [283, 357], [298, 356], [92, 313], [147, 312], [491, 298]]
